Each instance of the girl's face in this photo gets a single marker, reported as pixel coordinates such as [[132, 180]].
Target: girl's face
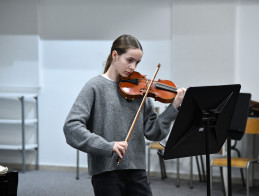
[[126, 63]]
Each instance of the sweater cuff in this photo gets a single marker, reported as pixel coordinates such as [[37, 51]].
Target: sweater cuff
[[171, 113], [108, 151]]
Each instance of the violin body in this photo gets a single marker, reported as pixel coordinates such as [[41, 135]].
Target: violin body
[[135, 86]]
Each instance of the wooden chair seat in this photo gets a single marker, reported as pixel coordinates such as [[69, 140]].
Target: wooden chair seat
[[156, 145], [235, 162]]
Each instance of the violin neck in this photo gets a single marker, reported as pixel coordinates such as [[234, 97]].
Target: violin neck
[[166, 87]]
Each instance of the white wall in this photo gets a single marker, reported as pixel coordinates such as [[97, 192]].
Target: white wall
[[67, 42], [19, 44], [247, 47], [203, 42], [74, 46]]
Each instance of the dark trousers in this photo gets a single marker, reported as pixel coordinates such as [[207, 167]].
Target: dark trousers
[[121, 183]]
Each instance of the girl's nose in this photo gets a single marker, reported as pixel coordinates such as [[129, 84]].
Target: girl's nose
[[133, 66]]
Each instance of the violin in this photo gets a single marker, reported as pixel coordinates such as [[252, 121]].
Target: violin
[[135, 86]]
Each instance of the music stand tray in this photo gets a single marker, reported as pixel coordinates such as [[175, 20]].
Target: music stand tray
[[202, 124]]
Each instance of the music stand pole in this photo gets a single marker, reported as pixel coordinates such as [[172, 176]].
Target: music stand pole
[[207, 132]]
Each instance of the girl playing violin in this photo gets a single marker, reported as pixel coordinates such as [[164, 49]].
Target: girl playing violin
[[100, 118]]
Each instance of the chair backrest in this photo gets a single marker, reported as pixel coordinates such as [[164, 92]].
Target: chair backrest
[[252, 126], [239, 118]]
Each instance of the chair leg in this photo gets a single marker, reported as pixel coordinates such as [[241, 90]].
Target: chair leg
[[222, 181], [148, 163], [178, 173], [191, 174], [77, 164], [203, 170], [242, 176], [211, 175], [162, 167], [198, 167], [247, 181]]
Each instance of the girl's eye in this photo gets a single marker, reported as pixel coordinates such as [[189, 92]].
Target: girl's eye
[[130, 60]]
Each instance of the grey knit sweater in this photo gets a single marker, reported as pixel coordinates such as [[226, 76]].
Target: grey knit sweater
[[100, 115]]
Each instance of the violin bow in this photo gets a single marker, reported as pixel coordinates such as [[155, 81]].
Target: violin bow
[[139, 109]]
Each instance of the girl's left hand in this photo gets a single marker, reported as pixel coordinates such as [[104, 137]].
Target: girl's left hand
[[179, 97]]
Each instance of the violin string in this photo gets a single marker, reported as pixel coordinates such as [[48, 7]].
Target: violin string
[[166, 87]]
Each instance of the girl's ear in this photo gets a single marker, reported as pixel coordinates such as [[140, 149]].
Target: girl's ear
[[114, 54]]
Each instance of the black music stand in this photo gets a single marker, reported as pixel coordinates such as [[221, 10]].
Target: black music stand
[[202, 124]]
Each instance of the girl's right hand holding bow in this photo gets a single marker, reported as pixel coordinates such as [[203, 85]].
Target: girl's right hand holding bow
[[120, 148]]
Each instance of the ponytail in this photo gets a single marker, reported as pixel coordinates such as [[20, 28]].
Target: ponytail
[[108, 63]]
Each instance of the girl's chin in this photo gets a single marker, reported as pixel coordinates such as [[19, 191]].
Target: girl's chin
[[125, 75]]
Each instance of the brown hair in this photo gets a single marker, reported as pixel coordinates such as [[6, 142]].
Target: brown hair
[[121, 45]]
